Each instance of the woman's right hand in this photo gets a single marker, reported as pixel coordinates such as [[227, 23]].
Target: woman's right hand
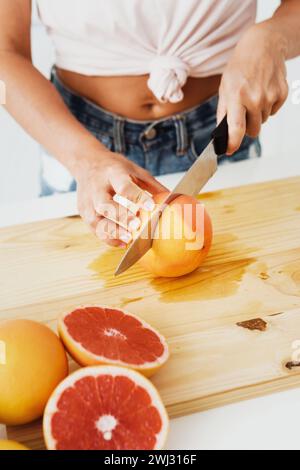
[[110, 174]]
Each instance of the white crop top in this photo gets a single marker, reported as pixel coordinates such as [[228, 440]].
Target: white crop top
[[167, 39]]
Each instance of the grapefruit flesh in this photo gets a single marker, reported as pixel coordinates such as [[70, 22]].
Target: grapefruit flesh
[[33, 362], [105, 408], [96, 335], [182, 238]]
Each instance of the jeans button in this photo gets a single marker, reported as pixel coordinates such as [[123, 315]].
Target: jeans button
[[151, 134]]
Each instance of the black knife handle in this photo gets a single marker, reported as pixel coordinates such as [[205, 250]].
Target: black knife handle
[[220, 137]]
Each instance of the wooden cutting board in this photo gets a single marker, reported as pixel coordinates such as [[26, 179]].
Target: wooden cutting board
[[252, 275]]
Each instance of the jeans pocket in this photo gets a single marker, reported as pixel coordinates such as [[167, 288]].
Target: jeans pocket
[[192, 153], [199, 141]]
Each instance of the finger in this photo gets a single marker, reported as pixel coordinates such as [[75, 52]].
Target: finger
[[276, 107], [94, 224], [254, 122], [284, 93], [112, 233], [150, 184], [89, 215], [124, 186], [266, 113], [236, 116], [221, 110], [106, 207]]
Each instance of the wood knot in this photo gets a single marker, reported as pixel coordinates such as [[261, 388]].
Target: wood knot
[[292, 365], [257, 324]]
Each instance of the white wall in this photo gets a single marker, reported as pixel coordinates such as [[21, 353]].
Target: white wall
[[280, 134], [19, 154]]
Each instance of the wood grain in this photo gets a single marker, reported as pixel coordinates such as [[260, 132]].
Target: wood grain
[[253, 272]]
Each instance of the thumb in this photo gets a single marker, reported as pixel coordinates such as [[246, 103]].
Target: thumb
[[221, 110]]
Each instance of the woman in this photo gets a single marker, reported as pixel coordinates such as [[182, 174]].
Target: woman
[[133, 92]]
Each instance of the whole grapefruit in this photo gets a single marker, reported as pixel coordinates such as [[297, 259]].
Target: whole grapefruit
[[11, 445], [182, 239], [33, 362]]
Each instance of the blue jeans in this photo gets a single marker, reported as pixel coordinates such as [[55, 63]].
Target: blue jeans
[[164, 146]]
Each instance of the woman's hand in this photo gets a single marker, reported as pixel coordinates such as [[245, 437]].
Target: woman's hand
[[110, 174], [254, 84]]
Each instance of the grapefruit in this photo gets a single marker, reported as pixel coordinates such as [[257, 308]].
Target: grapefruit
[[11, 445], [182, 239], [33, 362], [96, 335], [105, 408]]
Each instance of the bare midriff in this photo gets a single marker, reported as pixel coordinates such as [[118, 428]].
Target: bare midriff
[[130, 97]]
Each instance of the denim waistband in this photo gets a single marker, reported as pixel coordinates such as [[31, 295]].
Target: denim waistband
[[124, 130]]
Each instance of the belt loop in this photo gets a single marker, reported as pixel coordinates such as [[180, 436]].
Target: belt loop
[[53, 73], [181, 134], [119, 135]]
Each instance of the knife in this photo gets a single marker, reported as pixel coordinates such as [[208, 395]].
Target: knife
[[191, 184]]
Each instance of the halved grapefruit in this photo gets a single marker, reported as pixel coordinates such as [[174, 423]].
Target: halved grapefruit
[[96, 335], [105, 408]]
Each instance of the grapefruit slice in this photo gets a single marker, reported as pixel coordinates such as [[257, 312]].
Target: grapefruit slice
[[105, 408], [101, 335]]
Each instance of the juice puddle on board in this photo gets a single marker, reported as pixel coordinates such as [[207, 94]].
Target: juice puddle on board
[[207, 283], [215, 279], [105, 265]]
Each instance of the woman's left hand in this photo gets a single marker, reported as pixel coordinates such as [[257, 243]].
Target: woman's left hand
[[254, 84]]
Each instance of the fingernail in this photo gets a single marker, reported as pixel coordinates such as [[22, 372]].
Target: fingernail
[[125, 237], [149, 205], [134, 224]]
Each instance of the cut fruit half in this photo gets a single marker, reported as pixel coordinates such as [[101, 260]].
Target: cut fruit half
[[105, 408], [96, 335]]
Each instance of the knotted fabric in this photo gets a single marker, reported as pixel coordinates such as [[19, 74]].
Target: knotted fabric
[[168, 75]]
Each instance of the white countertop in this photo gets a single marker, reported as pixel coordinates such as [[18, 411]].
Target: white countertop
[[229, 175], [270, 422]]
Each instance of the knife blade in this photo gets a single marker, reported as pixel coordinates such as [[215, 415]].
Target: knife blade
[[191, 184]]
